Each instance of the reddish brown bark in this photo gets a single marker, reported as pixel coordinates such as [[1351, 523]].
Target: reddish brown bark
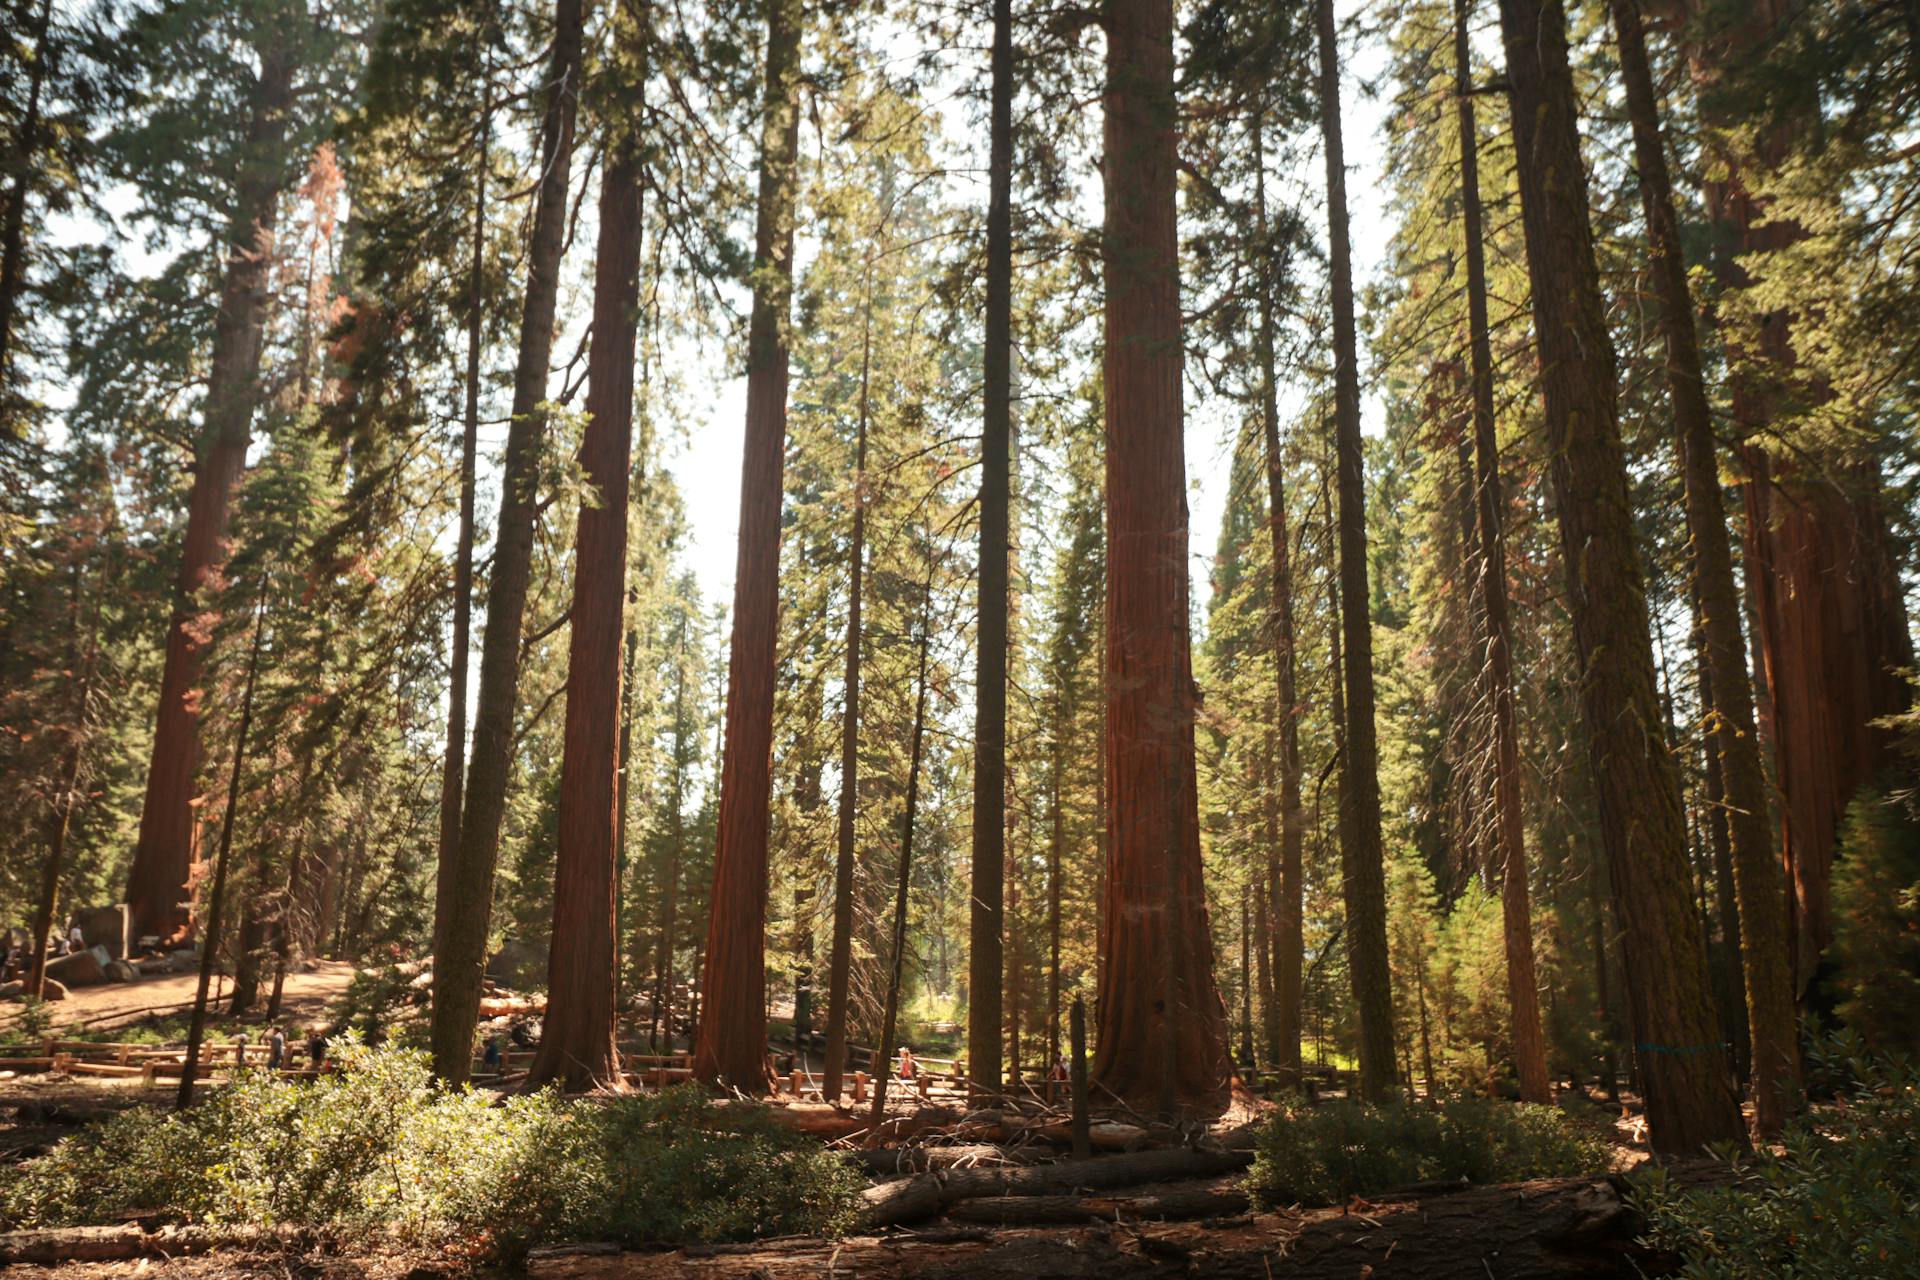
[[1758, 883], [1824, 581], [577, 1037], [1163, 1040], [731, 1046], [1361, 852], [462, 916], [163, 856], [1690, 1099], [1523, 991]]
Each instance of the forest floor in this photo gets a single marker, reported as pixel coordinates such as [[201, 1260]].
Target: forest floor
[[308, 994]]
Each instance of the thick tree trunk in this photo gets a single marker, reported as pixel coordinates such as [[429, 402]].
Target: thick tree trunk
[[1163, 1039], [577, 1047], [1283, 875], [1831, 627], [731, 1046], [462, 915], [986, 922], [1730, 982], [210, 943], [883, 1058], [453, 766], [1360, 847], [1523, 992], [840, 963], [13, 240], [163, 856], [1689, 1096], [1733, 738]]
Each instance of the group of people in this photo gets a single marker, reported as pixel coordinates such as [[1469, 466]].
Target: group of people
[[279, 1057], [16, 948]]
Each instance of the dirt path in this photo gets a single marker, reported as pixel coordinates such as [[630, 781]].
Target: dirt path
[[306, 997]]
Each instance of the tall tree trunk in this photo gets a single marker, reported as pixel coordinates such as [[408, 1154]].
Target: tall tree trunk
[[1266, 888], [1285, 878], [1689, 1100], [883, 1055], [987, 916], [210, 942], [1729, 972], [1360, 851], [663, 992], [1733, 738], [840, 963], [1056, 847], [1163, 1035], [65, 799], [731, 1046], [1523, 993], [163, 856], [1829, 606], [453, 766], [13, 240], [577, 1047], [462, 916]]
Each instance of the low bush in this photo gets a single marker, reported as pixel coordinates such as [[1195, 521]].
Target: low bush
[[1837, 1200], [375, 1152], [1324, 1155]]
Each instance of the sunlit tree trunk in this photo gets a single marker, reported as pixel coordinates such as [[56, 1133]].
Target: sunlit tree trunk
[[731, 1045], [987, 923], [1163, 1036], [1688, 1091], [577, 1047], [461, 917], [1360, 846], [163, 855], [1523, 991]]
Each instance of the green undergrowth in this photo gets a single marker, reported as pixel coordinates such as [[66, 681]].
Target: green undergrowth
[[1835, 1202], [376, 1153], [1327, 1154]]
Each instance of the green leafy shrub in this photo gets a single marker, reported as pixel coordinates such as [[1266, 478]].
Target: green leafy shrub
[[33, 1024], [377, 1151], [1837, 1202], [1323, 1155], [1876, 914]]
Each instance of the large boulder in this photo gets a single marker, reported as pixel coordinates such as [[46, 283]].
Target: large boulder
[[105, 927], [86, 968], [121, 971]]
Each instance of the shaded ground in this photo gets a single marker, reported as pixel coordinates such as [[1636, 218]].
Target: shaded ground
[[115, 1004]]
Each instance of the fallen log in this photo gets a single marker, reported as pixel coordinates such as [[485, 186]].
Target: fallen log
[[1200, 1200], [921, 1159], [127, 1242], [928, 1195]]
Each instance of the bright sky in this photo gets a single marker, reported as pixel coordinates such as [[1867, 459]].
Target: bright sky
[[707, 464]]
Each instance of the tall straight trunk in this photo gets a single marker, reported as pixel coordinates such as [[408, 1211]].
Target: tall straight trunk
[[1056, 847], [1285, 877], [1729, 971], [986, 922], [163, 855], [1523, 990], [1266, 888], [883, 1054], [731, 1046], [462, 915], [453, 766], [840, 963], [677, 829], [13, 239], [623, 778], [1361, 854], [577, 1047], [1637, 787], [65, 799], [210, 942], [1163, 1035], [253, 933], [1830, 614], [1732, 738]]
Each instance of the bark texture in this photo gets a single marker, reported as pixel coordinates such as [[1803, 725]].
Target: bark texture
[[461, 917], [1162, 1037], [985, 956], [163, 856], [1362, 874], [731, 1045], [1733, 738], [577, 1037], [1689, 1094], [1523, 988]]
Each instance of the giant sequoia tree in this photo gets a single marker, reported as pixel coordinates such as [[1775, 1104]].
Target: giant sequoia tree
[[1638, 788], [1163, 1035], [732, 1040]]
